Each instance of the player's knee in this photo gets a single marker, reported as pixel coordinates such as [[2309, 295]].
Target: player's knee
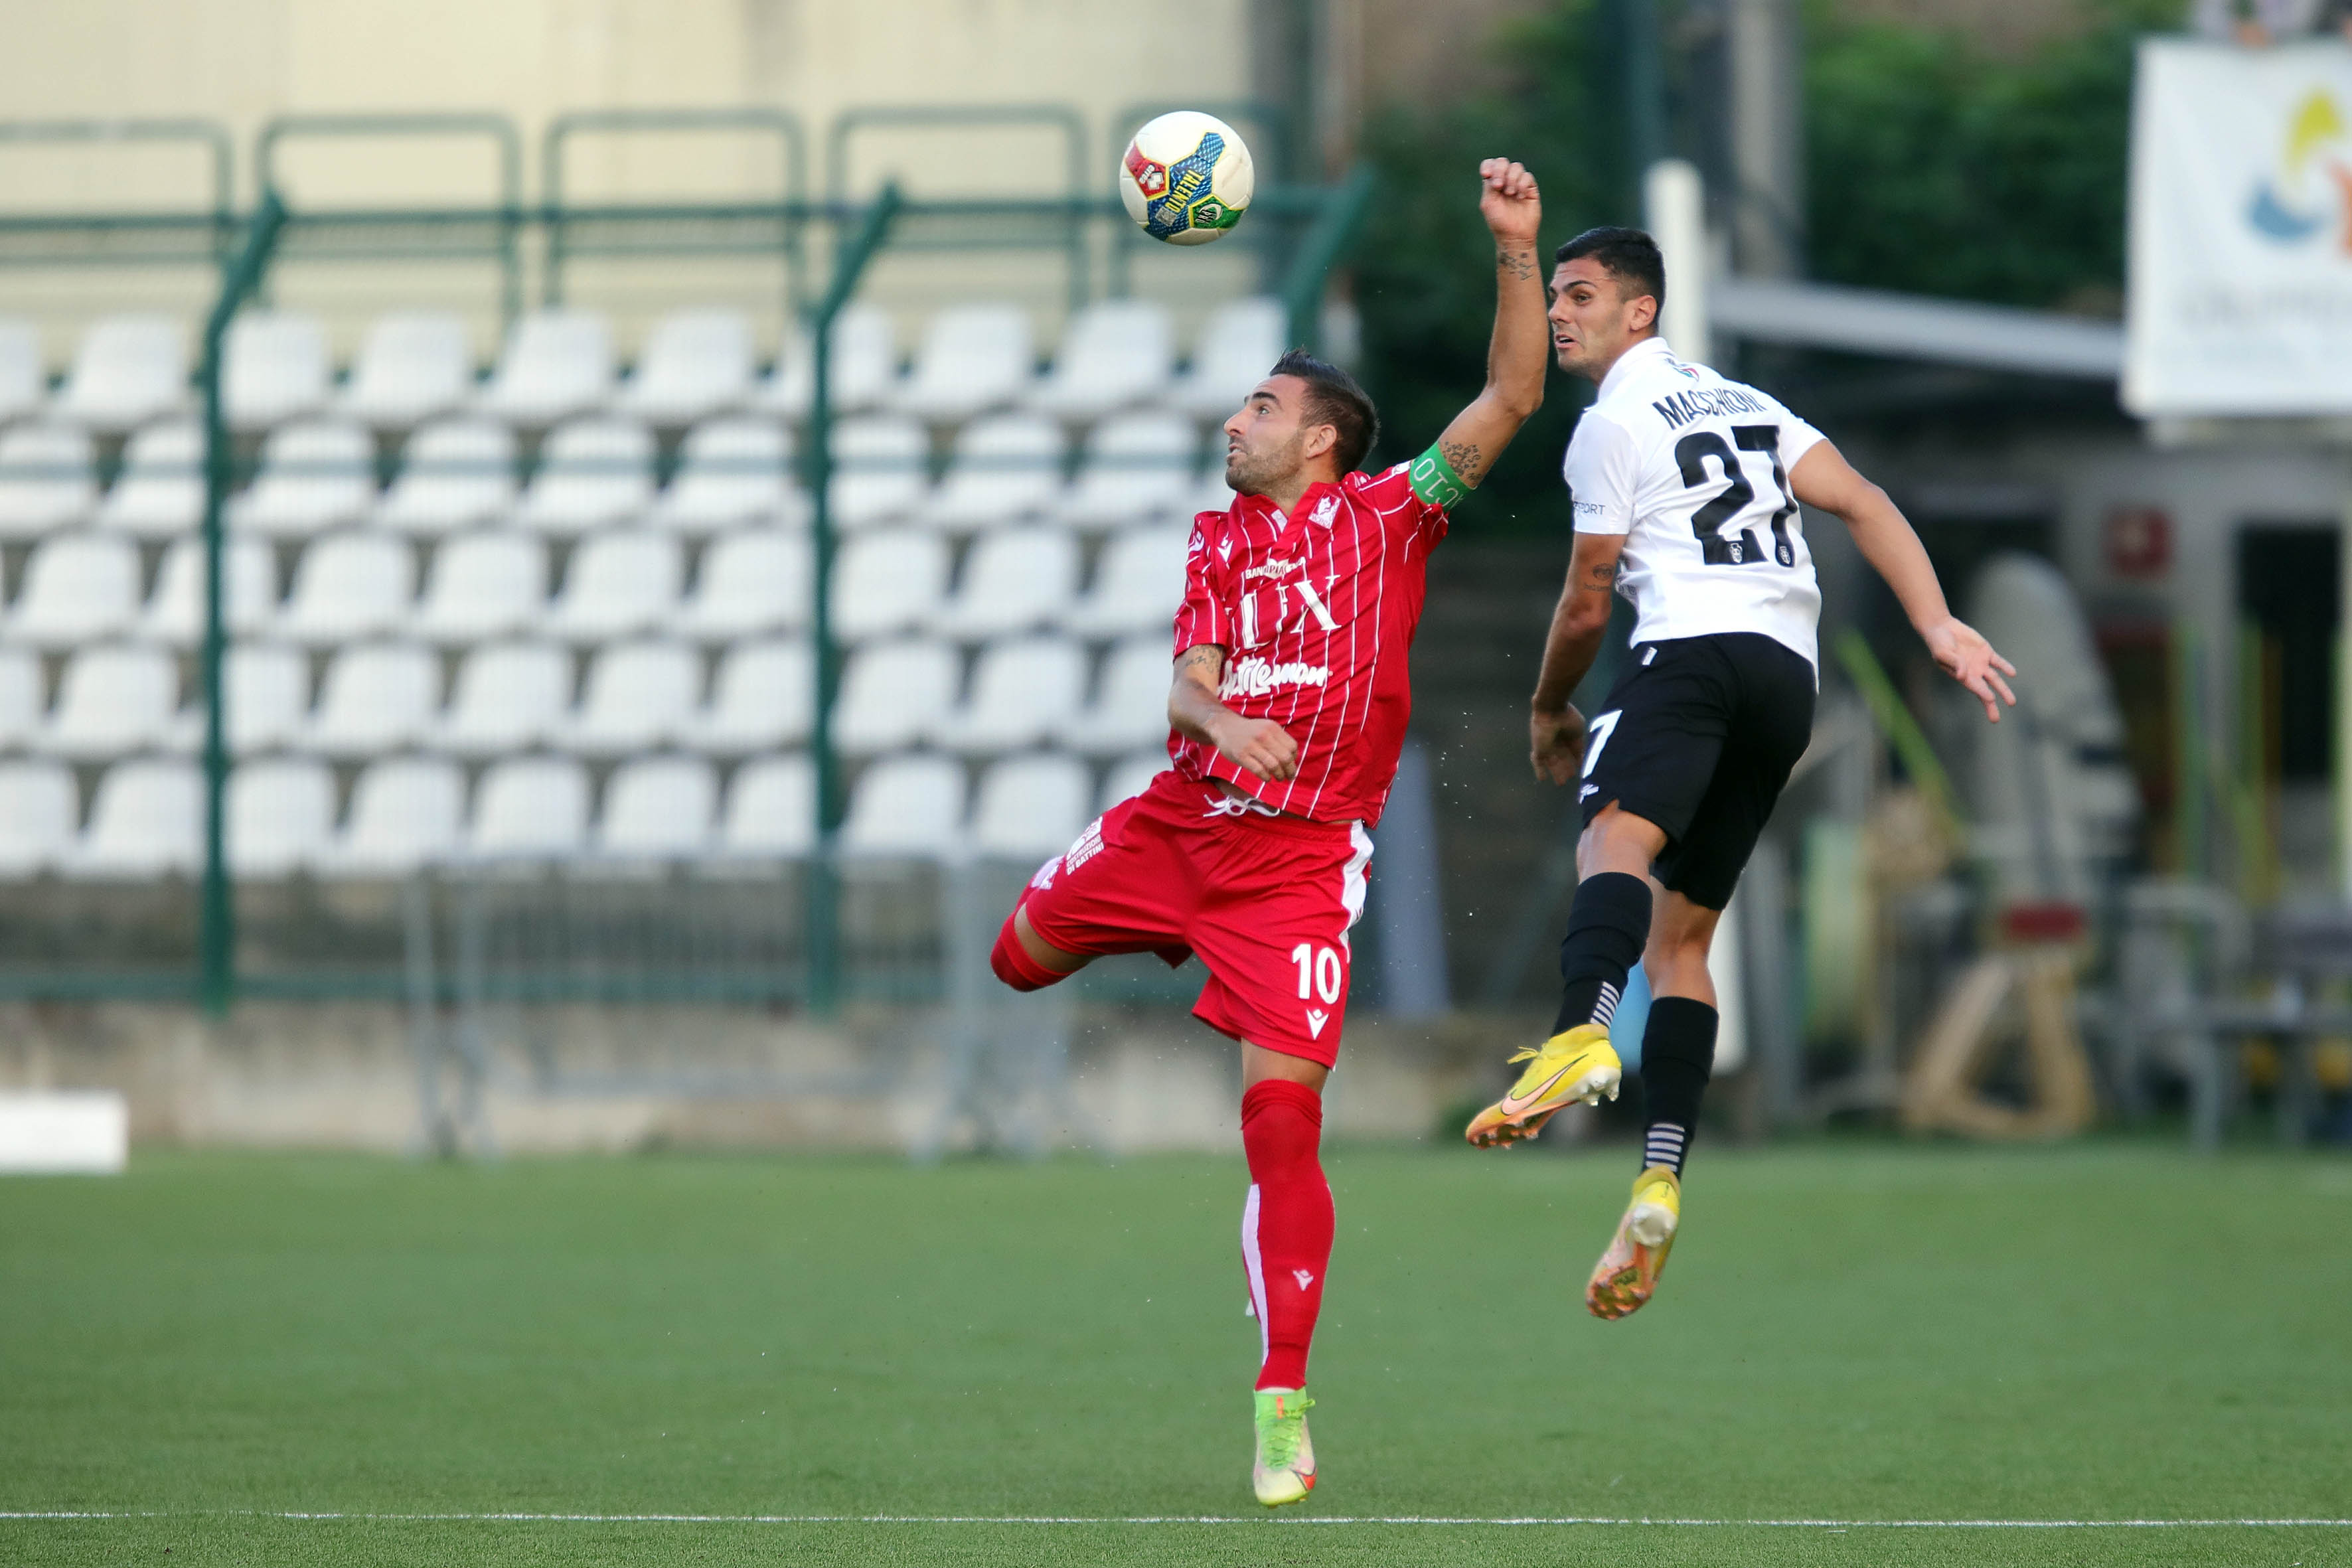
[[1012, 964]]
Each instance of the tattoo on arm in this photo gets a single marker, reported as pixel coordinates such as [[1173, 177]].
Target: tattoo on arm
[[1464, 458], [1602, 578], [1208, 661], [1517, 264]]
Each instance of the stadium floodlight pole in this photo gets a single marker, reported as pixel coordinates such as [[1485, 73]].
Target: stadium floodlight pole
[[824, 924], [216, 915]]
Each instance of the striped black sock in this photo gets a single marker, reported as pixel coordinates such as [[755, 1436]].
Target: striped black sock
[[1677, 1057], [1607, 925]]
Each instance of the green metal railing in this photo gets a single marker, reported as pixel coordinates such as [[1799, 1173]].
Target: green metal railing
[[140, 237]]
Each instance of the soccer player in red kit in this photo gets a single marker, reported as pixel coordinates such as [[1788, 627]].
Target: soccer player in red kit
[[1288, 711]]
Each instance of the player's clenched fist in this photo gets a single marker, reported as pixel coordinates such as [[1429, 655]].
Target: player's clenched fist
[[1261, 745], [1556, 744], [1510, 203]]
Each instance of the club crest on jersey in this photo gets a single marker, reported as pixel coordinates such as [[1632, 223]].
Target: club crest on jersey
[[1325, 510]]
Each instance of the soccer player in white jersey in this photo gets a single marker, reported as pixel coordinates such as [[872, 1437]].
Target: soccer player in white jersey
[[1684, 488]]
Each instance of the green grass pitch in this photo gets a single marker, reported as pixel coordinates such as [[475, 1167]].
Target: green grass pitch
[[1848, 1334]]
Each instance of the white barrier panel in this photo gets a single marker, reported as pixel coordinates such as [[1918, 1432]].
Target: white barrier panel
[[78, 1132]]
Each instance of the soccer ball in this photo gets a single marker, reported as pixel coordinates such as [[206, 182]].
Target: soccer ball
[[1187, 178]]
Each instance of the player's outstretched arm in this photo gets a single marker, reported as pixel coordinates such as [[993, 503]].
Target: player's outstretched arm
[[1260, 745], [1521, 344], [1555, 729], [1824, 480]]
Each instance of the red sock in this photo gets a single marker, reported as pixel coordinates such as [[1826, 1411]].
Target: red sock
[[1286, 1224]]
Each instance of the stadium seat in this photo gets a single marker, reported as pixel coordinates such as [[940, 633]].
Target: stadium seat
[[593, 473], [892, 695], [273, 368], [406, 811], [146, 821], [111, 702], [557, 362], [264, 697], [126, 371], [77, 587], [280, 817], [1136, 467], [695, 363], [658, 808], [1006, 466], [864, 366], [46, 480], [1210, 494], [316, 474], [763, 697], [412, 365], [1236, 349], [1130, 776], [730, 471], [973, 358], [348, 585], [39, 810], [1030, 805], [771, 809], [508, 695], [22, 379], [888, 580], [159, 494], [881, 470], [175, 610], [21, 697], [1130, 703], [637, 695], [1013, 580], [376, 697], [1113, 353], [529, 808], [1138, 584], [482, 586], [1021, 691], [616, 585], [906, 806], [456, 473], [751, 583]]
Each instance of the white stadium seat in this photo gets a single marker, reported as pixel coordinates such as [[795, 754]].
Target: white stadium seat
[[617, 585], [892, 695], [508, 695], [972, 358], [770, 808], [45, 479], [376, 697], [730, 471], [1211, 493], [1021, 691], [557, 362], [1136, 467], [1013, 580], [695, 363], [21, 697], [659, 807], [159, 494], [273, 368], [752, 582], [637, 695], [454, 473], [1030, 805], [593, 473], [1138, 584], [175, 610], [888, 580], [38, 812], [763, 697], [1130, 776], [349, 585], [482, 586], [863, 370], [126, 371], [1113, 353], [530, 808], [22, 379], [77, 587], [1130, 703], [1236, 349], [1006, 466], [280, 817], [406, 811], [266, 690], [146, 821], [906, 805], [412, 365], [112, 701], [316, 474], [881, 470]]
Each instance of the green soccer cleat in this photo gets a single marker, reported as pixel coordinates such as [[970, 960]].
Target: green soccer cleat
[[1284, 1471]]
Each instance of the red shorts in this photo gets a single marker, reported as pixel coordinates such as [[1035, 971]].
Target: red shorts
[[1267, 902]]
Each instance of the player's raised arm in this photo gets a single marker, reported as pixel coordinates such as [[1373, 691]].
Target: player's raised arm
[[1515, 355], [1261, 745], [1824, 480]]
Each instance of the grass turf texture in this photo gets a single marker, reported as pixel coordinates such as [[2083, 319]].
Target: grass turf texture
[[1846, 1334]]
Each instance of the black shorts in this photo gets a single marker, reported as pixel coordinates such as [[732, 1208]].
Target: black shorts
[[1699, 737]]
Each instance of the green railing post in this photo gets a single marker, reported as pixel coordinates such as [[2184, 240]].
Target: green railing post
[[1302, 290], [216, 942], [824, 938]]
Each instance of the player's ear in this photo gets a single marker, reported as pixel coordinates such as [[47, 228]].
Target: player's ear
[[1642, 312], [1320, 440]]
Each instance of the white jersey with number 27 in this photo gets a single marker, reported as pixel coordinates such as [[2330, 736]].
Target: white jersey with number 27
[[1694, 471]]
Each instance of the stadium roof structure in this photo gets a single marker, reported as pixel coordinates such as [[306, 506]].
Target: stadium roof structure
[[1916, 327]]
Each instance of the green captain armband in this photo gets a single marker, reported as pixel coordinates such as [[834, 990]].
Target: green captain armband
[[1435, 480]]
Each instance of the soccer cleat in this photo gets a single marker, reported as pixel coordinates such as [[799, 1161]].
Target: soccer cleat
[[1576, 1064], [1284, 1471], [1627, 1273]]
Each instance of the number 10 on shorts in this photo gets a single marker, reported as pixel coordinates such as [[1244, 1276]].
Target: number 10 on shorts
[[1319, 974]]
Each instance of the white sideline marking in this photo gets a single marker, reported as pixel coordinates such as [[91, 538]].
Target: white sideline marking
[[1192, 1519]]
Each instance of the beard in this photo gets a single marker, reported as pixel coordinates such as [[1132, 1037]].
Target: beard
[[1262, 472]]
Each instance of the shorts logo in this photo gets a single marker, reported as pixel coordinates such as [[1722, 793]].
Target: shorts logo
[[1587, 791], [1089, 846], [1316, 1019]]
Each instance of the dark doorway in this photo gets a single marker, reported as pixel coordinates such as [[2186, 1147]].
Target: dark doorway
[[2289, 595]]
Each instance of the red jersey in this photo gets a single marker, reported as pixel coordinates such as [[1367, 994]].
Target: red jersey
[[1316, 613]]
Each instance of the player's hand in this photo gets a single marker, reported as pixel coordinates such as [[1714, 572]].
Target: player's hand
[[1556, 744], [1962, 653], [1261, 745], [1510, 203]]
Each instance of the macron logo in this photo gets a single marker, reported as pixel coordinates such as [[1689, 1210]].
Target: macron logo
[[1225, 549], [1304, 1278], [1316, 1019]]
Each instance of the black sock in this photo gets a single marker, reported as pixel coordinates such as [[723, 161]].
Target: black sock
[[1677, 1056], [1607, 926]]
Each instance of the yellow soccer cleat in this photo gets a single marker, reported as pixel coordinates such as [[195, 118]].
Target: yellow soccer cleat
[[1627, 1273], [1284, 1469], [1576, 1064]]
